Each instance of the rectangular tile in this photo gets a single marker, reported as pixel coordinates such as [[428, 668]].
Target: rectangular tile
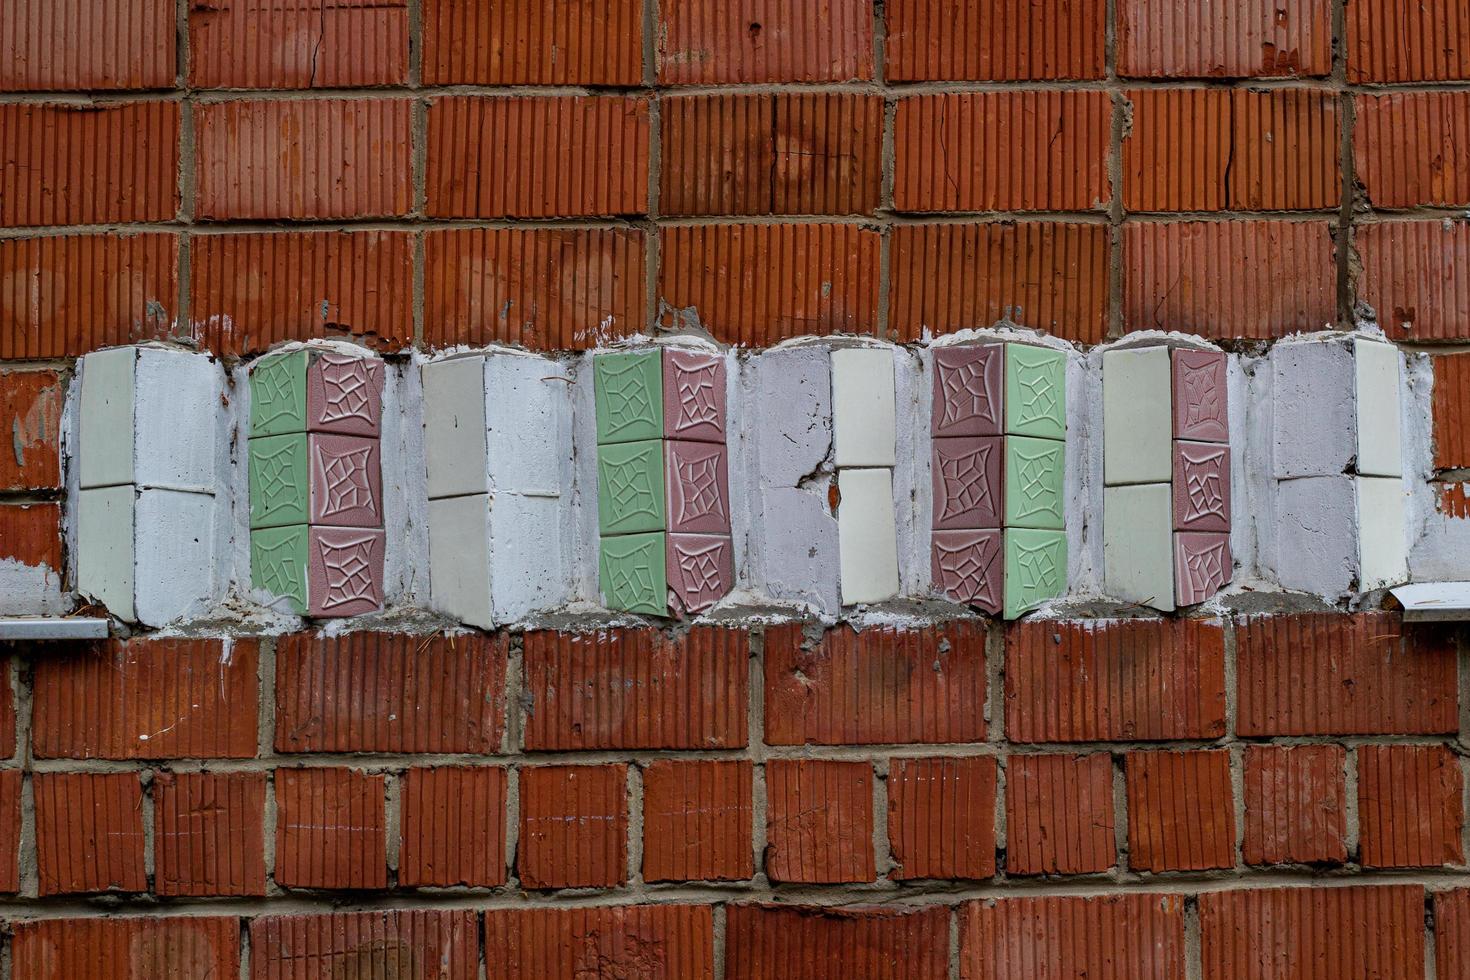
[[866, 530], [1137, 412]]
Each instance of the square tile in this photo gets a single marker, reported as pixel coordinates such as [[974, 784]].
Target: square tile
[[455, 441], [632, 573], [698, 487], [1202, 565], [628, 391], [863, 419], [105, 425], [344, 394], [278, 563], [867, 536], [1201, 486], [1035, 569], [630, 487], [968, 481], [694, 396], [278, 394], [1376, 369], [701, 570], [459, 558], [1383, 547], [278, 481], [344, 571], [967, 566], [1036, 472], [1138, 544], [1201, 397], [1036, 391], [1138, 424], [968, 390], [346, 481]]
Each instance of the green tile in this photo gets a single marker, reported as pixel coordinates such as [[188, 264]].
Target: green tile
[[1036, 391], [629, 392], [633, 574], [278, 481], [278, 395], [278, 563], [630, 487], [1036, 568], [1035, 471]]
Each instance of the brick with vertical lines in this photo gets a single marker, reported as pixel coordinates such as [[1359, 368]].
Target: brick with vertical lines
[[30, 410], [331, 829], [707, 42], [10, 792], [941, 817], [1108, 937], [91, 45], [209, 833], [651, 942], [1181, 810], [1059, 814], [1451, 410], [1410, 806], [1413, 148], [994, 40], [193, 947], [1452, 932], [1229, 39], [819, 821], [1414, 274], [320, 44], [30, 534], [1295, 806], [411, 943], [697, 820], [453, 826], [574, 826], [780, 942], [1407, 41], [528, 42], [89, 832]]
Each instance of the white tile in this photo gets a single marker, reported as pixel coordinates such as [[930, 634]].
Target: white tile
[[177, 398], [1138, 416], [1377, 370], [528, 408], [1138, 544], [867, 535], [454, 427], [459, 558], [104, 556], [1313, 408], [174, 555], [1383, 544], [862, 406], [1317, 535], [105, 440]]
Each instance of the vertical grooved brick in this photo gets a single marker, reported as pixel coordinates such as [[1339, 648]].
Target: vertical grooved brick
[[89, 832], [574, 826], [1059, 814], [30, 411], [453, 827], [331, 829], [69, 45], [1407, 41], [1452, 932], [297, 43], [697, 820], [994, 40], [1413, 148], [1415, 276], [941, 817], [30, 534], [1410, 807], [1295, 804], [1451, 411], [529, 42], [134, 947], [780, 942], [407, 943], [706, 42], [1181, 810], [651, 942], [1111, 937], [1224, 39], [10, 794], [209, 833], [819, 821]]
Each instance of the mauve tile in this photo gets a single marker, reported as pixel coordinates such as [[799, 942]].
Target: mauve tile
[[968, 386], [1202, 565], [1201, 405], [968, 474], [698, 487], [694, 396], [345, 571], [701, 570], [344, 394], [1201, 486], [346, 481], [967, 567]]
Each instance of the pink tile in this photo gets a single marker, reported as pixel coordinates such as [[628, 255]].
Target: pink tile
[[968, 390], [701, 570], [694, 396], [969, 481], [346, 481], [968, 567], [1202, 565], [698, 487], [1201, 486], [344, 394], [1201, 404], [344, 571]]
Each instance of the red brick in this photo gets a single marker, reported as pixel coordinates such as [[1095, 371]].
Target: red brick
[[1410, 806], [148, 699], [1451, 410], [390, 692], [127, 948], [819, 821], [1046, 275], [331, 830], [1452, 933], [650, 942], [1204, 149], [1295, 806], [697, 820], [1002, 151], [87, 44], [414, 944], [757, 285], [1454, 500], [30, 410], [782, 942], [250, 291], [1111, 937], [1334, 674], [10, 793], [1414, 273], [1229, 279], [961, 40], [542, 288], [1407, 41], [1059, 814], [941, 817], [1120, 680], [275, 159], [527, 42], [881, 685], [1231, 39], [89, 832], [453, 827], [1181, 811], [31, 535], [713, 41], [1362, 933], [63, 296], [7, 711], [574, 826], [298, 44], [209, 833], [636, 689], [537, 156], [1413, 148]]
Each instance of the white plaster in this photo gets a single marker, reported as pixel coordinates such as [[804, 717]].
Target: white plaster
[[528, 558], [174, 555], [1138, 544], [405, 501], [177, 398], [1316, 535], [1314, 408], [1379, 444], [105, 443], [31, 590], [104, 555], [454, 426], [868, 545], [863, 410], [528, 422], [1383, 544], [911, 479], [1138, 416]]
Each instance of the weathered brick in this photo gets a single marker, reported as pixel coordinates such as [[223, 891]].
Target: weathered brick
[[331, 830], [453, 827], [526, 42], [407, 943], [89, 832], [313, 44], [574, 826], [941, 817], [964, 40], [209, 833], [87, 44], [1452, 932], [1413, 148], [127, 948], [30, 410], [1416, 275], [31, 535], [819, 821], [1140, 937], [704, 42], [1059, 814], [10, 793], [653, 942], [7, 710], [778, 942], [1452, 410], [697, 820], [1181, 811], [1410, 806], [1407, 41], [1231, 39], [1295, 807]]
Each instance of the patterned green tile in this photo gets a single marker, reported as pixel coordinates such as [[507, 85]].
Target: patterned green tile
[[1035, 470], [1036, 568], [633, 575], [1036, 391], [278, 563], [278, 395], [630, 396], [278, 481], [630, 487]]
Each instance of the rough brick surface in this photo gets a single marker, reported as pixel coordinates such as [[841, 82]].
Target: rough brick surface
[[182, 947], [1233, 38], [1410, 148], [1410, 806], [321, 44], [574, 827], [1414, 276], [819, 821], [89, 832], [775, 942], [408, 943], [947, 40], [31, 534], [1452, 932], [697, 820], [713, 41], [1407, 41], [10, 793], [941, 817], [1140, 937], [209, 833], [87, 45], [331, 829], [582, 42], [453, 826], [1181, 814], [1452, 410], [657, 942], [30, 410], [1295, 804], [1059, 814]]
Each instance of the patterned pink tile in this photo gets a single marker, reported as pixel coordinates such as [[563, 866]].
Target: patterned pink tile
[[701, 570], [968, 567], [1201, 486], [346, 481], [967, 390], [694, 396], [344, 394], [1201, 405], [969, 480], [1202, 565], [344, 571], [698, 486]]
